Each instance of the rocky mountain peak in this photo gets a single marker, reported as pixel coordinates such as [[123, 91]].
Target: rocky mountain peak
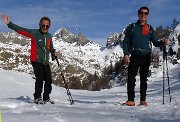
[[114, 39], [67, 36]]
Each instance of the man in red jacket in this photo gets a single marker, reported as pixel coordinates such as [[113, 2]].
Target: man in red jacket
[[41, 46]]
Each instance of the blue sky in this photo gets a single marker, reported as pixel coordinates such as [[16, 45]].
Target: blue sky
[[95, 18]]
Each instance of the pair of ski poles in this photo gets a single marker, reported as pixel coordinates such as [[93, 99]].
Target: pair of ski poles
[[65, 83], [165, 62]]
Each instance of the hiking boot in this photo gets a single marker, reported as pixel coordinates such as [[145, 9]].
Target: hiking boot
[[38, 101], [144, 103], [129, 103], [49, 101]]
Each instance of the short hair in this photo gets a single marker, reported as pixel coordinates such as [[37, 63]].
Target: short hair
[[143, 7], [45, 18]]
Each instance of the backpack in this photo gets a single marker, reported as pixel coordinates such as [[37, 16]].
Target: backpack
[[130, 45]]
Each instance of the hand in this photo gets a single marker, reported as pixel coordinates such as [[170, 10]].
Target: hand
[[165, 41], [126, 59], [5, 18]]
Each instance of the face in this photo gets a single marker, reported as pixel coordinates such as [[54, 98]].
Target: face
[[143, 15], [45, 24]]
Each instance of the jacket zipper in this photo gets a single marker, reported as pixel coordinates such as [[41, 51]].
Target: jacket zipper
[[44, 49]]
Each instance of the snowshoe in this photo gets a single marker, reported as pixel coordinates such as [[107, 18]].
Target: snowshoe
[[39, 101], [129, 103], [49, 101], [143, 103]]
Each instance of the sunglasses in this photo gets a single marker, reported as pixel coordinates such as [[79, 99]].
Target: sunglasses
[[45, 26], [145, 13]]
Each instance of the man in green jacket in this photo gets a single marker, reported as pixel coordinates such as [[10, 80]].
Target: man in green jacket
[[41, 46], [137, 50]]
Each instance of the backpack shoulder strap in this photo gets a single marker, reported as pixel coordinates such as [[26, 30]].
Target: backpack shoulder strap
[[150, 32], [132, 28], [129, 29], [130, 34], [132, 25], [150, 27]]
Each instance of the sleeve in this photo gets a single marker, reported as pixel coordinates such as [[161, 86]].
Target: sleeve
[[52, 47], [52, 50], [50, 43], [154, 38], [126, 40], [20, 30]]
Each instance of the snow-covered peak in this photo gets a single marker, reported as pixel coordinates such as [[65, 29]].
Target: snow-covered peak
[[65, 35], [63, 31], [175, 33], [174, 38]]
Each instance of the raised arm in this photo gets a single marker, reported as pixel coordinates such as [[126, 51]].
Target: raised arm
[[21, 30]]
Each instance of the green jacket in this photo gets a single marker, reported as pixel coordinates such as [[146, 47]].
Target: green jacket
[[135, 43], [41, 43]]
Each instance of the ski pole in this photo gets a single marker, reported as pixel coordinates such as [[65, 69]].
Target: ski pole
[[65, 83], [167, 72], [163, 71], [165, 59], [0, 115]]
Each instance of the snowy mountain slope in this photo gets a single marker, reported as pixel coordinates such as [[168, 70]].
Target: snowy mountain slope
[[174, 38], [176, 32], [92, 106], [111, 55], [88, 56], [83, 56]]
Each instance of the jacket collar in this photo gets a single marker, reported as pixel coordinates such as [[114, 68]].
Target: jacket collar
[[41, 31], [138, 22]]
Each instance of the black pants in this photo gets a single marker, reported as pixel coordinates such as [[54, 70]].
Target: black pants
[[142, 64], [43, 80]]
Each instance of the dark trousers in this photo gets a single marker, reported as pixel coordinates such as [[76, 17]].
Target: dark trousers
[[142, 64], [43, 80]]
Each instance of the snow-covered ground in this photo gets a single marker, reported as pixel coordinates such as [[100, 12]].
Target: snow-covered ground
[[16, 95]]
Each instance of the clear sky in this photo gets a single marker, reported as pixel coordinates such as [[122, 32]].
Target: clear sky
[[95, 18]]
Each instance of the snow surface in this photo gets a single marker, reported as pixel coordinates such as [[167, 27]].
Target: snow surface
[[16, 96]]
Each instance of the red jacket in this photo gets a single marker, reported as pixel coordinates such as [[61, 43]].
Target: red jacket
[[41, 43]]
